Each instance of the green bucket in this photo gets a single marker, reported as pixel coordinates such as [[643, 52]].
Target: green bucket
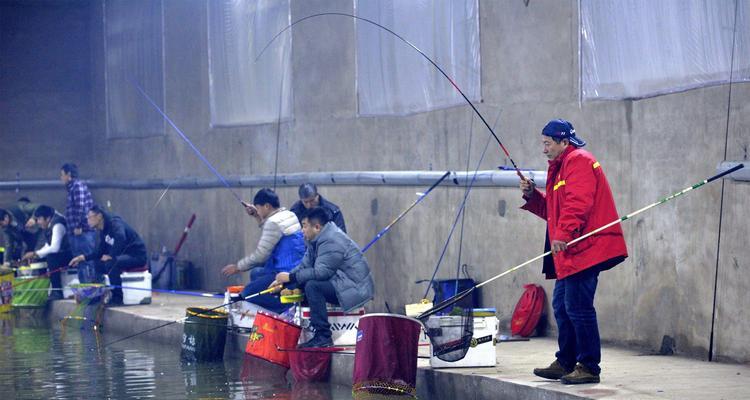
[[30, 292], [204, 335]]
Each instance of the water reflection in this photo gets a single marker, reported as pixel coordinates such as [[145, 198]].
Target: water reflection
[[68, 361]]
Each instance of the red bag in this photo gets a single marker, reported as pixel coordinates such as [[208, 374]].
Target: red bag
[[528, 310], [310, 366]]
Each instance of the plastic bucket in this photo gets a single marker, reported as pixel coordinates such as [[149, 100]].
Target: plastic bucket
[[269, 334], [30, 292], [204, 335], [6, 290]]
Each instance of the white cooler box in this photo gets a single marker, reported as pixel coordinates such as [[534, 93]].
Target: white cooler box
[[482, 353], [140, 282], [343, 325], [69, 277]]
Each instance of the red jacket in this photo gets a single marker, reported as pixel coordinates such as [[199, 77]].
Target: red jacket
[[578, 200]]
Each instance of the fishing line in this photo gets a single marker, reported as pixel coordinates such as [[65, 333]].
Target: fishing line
[[190, 143], [497, 139], [444, 304], [460, 211], [262, 292], [721, 201]]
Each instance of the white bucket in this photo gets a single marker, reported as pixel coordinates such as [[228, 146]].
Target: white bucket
[[136, 287]]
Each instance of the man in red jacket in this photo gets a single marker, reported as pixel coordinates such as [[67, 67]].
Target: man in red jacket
[[577, 200]]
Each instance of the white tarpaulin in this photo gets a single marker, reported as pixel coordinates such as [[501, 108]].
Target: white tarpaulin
[[133, 37], [393, 79], [243, 91], [642, 48]]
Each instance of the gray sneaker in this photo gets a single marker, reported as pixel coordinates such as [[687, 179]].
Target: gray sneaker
[[580, 375], [554, 371]]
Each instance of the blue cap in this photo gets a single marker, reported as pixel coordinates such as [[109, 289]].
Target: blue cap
[[562, 129]]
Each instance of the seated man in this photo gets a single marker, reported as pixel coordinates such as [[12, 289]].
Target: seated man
[[120, 248], [56, 251], [279, 249], [333, 270], [18, 239], [309, 198]]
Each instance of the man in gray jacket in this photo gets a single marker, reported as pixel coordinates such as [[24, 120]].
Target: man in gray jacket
[[333, 270]]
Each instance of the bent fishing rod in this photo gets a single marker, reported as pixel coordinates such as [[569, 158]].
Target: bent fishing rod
[[262, 292], [410, 44], [444, 304]]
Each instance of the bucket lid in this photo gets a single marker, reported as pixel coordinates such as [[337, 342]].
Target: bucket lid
[[235, 289]]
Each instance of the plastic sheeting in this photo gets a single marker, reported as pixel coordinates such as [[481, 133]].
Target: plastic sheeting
[[642, 48], [393, 79], [244, 91], [133, 37]]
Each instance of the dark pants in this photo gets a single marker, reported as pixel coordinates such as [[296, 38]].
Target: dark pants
[[317, 294], [260, 279], [85, 244], [573, 304], [114, 269]]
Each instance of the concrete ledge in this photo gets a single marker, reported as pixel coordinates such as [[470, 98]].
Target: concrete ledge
[[627, 374]]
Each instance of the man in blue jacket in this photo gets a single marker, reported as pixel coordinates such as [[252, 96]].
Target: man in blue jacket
[[333, 270]]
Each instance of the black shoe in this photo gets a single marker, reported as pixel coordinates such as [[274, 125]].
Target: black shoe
[[579, 376], [317, 341], [554, 371], [55, 295], [115, 301]]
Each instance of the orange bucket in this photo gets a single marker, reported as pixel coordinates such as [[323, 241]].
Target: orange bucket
[[270, 334]]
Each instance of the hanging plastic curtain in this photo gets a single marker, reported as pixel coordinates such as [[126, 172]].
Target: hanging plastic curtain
[[393, 79], [133, 36], [243, 91], [633, 49]]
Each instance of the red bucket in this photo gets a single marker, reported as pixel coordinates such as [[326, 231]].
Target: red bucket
[[385, 360], [269, 334]]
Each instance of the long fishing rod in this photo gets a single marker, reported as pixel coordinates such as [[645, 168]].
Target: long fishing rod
[[262, 292], [444, 304], [497, 139], [190, 143], [417, 201]]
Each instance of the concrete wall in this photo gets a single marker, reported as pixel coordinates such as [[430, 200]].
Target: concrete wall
[[648, 149]]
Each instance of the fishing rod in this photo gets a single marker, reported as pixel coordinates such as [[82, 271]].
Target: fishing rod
[[192, 146], [434, 64], [419, 199], [444, 304], [262, 292]]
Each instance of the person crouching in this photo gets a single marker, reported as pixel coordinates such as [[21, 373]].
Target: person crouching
[[333, 270]]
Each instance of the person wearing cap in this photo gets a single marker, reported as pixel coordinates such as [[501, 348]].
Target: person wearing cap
[[309, 198], [577, 200]]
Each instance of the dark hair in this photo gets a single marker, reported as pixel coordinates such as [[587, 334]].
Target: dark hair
[[24, 199], [97, 209], [3, 213], [44, 211], [317, 214], [266, 196], [307, 190], [70, 168]]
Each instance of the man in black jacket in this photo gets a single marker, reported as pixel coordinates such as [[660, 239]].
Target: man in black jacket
[[309, 199], [120, 248]]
